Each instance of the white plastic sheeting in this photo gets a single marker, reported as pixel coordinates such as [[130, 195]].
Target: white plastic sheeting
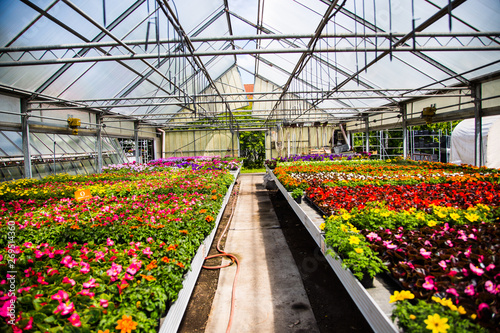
[[463, 142]]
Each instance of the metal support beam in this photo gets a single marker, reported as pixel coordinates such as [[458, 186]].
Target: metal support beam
[[136, 142], [404, 115], [367, 134], [478, 128], [99, 142], [26, 138]]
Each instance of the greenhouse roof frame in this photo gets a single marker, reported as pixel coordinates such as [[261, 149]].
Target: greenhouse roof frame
[[155, 62]]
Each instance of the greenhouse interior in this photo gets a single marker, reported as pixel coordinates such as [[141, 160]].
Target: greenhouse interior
[[249, 166]]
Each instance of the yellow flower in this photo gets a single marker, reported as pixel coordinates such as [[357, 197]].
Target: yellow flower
[[346, 216], [431, 223], [461, 310], [354, 229], [455, 216], [322, 226], [420, 216], [385, 214], [354, 240], [473, 316], [358, 250], [413, 317], [401, 296], [437, 324], [471, 217], [344, 228], [126, 324]]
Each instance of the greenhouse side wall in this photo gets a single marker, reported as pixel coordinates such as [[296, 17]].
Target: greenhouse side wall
[[200, 143]]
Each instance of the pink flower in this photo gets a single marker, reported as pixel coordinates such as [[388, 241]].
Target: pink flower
[[86, 292], [149, 239], [61, 295], [467, 252], [104, 302], [114, 271], [469, 290], [75, 320], [373, 236], [1, 257], [147, 251], [482, 306], [443, 264], [109, 242], [490, 287], [65, 308], [476, 270], [68, 280], [425, 254], [429, 282], [99, 255], [134, 268], [389, 245], [449, 243], [72, 264], [465, 272], [66, 260], [490, 267], [90, 284], [85, 267], [452, 291], [29, 325]]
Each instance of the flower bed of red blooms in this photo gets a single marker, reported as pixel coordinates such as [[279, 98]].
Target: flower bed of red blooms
[[396, 197]]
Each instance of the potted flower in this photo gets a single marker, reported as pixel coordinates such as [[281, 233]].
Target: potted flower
[[297, 195]]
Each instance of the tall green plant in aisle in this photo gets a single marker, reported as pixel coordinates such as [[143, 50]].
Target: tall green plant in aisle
[[252, 149]]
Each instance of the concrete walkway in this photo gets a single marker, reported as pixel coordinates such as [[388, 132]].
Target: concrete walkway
[[270, 296]]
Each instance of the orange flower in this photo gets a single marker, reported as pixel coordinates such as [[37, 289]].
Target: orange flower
[[126, 324], [185, 232], [106, 331], [203, 211], [75, 226], [148, 277], [214, 197], [209, 218], [165, 260], [180, 264], [151, 265]]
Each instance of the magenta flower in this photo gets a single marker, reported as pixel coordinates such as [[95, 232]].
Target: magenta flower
[[104, 302], [85, 267], [74, 319], [443, 264], [490, 267], [61, 295], [425, 254], [29, 325], [99, 255], [389, 245], [452, 291], [429, 283], [149, 239], [469, 290], [65, 308], [110, 242], [90, 284], [147, 251], [134, 267], [68, 280], [482, 306], [465, 272], [86, 292], [490, 287], [476, 270], [114, 271], [66, 260]]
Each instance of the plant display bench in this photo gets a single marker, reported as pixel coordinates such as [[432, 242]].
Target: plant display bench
[[372, 302], [170, 323]]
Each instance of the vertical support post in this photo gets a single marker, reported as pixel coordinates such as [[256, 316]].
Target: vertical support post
[[404, 115], [478, 128], [136, 142], [26, 138], [98, 121], [367, 134]]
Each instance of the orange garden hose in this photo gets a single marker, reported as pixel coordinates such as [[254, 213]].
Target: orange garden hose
[[233, 260]]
